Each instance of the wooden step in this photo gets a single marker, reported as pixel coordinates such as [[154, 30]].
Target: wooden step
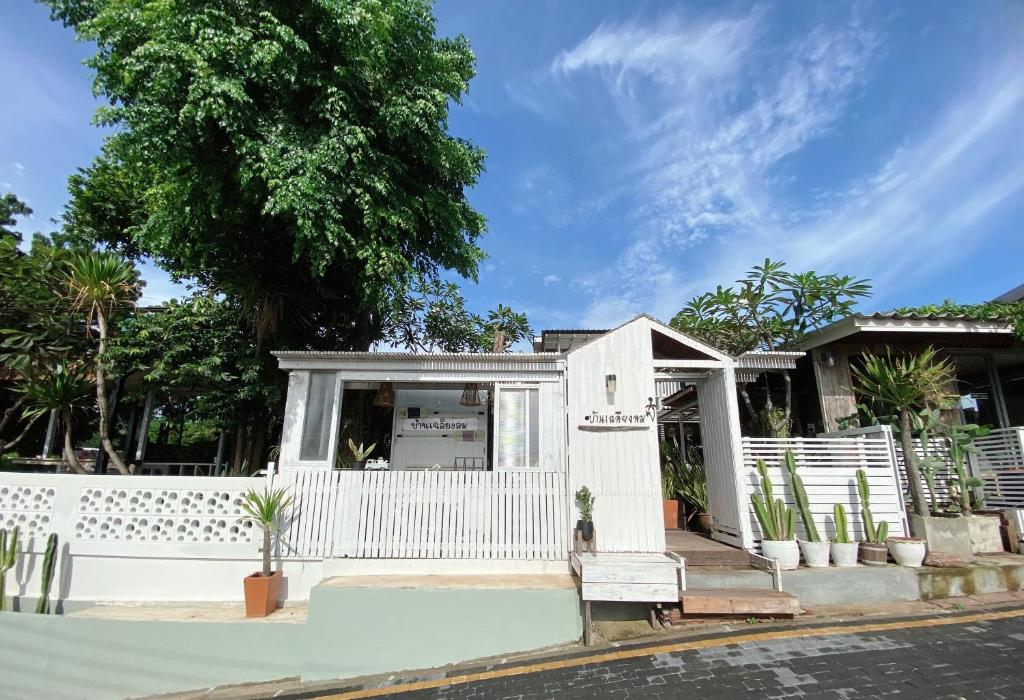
[[738, 601]]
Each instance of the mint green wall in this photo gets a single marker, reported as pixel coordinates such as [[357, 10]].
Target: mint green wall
[[351, 632]]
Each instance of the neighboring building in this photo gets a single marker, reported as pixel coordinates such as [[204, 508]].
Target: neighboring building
[[1015, 294], [988, 356]]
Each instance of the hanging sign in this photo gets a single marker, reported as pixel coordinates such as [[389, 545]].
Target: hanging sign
[[438, 424]]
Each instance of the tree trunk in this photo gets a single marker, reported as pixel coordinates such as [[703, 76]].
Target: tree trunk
[[9, 413], [241, 442], [789, 394], [257, 441], [13, 443], [101, 400], [747, 402], [266, 551], [920, 505], [69, 450]]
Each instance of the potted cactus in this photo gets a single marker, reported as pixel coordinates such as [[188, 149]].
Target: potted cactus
[[263, 588], [873, 550], [815, 550], [778, 523], [8, 559], [844, 550]]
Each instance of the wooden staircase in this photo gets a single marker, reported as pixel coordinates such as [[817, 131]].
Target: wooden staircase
[[701, 554]]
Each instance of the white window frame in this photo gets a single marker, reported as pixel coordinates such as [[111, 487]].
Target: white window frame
[[295, 421], [498, 388]]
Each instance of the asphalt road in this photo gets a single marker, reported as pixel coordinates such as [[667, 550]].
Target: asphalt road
[[979, 655]]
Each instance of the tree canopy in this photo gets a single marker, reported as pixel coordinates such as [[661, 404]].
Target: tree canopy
[[293, 156]]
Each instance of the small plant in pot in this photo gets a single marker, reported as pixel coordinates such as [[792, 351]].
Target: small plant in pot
[[263, 588], [815, 551], [873, 550], [585, 502], [359, 454], [844, 551], [778, 523]]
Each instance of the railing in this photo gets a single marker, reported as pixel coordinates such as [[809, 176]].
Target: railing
[[1001, 449], [828, 468], [428, 514]]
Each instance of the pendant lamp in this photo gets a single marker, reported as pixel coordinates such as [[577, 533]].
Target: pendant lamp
[[470, 395], [385, 397]]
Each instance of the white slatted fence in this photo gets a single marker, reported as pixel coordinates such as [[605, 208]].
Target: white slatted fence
[[828, 467], [428, 514], [1001, 449]]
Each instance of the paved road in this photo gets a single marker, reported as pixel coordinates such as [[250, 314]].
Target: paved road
[[979, 656]]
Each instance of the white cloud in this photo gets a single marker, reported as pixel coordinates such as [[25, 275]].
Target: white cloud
[[551, 279], [709, 193], [19, 168]]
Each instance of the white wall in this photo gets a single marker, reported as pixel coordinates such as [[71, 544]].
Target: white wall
[[620, 467], [138, 537]]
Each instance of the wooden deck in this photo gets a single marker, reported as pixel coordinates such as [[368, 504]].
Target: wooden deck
[[700, 550]]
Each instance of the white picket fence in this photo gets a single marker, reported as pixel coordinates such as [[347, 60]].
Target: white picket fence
[[828, 468], [427, 514]]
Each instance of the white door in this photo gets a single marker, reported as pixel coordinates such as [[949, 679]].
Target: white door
[[723, 458]]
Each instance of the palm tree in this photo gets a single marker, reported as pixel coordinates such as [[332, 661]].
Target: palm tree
[[101, 284], [907, 385], [66, 390]]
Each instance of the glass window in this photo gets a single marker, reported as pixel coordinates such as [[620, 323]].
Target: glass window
[[316, 426], [974, 386], [518, 439]]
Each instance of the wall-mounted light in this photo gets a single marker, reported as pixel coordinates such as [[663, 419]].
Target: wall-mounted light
[[828, 358], [610, 383]]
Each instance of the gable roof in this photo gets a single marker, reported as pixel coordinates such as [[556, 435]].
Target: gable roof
[[659, 327]]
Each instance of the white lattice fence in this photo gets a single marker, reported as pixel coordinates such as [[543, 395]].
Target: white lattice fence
[[828, 467], [452, 515]]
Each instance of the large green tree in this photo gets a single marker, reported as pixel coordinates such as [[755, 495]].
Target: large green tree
[[769, 309], [291, 155]]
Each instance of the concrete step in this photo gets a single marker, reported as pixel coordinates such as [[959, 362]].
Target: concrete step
[[738, 601]]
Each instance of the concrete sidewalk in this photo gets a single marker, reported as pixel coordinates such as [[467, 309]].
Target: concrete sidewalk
[[699, 632]]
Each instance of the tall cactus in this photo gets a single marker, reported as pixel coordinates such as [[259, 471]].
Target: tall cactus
[[872, 535], [49, 563], [842, 524], [800, 494], [777, 520], [8, 558]]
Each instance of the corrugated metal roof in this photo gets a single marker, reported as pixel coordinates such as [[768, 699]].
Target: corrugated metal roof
[[896, 316]]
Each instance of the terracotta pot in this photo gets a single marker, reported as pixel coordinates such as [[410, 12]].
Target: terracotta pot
[[907, 551], [670, 513], [705, 520], [786, 551], [873, 554], [262, 593]]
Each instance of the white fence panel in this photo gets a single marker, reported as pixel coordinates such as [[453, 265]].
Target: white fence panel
[[828, 467], [1001, 449], [448, 515]]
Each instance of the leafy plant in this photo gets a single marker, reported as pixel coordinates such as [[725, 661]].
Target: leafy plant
[[683, 476], [8, 559], [906, 384], [872, 535], [777, 520], [960, 439], [360, 453], [585, 502], [1012, 312], [65, 389], [266, 509]]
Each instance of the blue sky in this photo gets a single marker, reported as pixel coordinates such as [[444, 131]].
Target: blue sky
[[640, 153]]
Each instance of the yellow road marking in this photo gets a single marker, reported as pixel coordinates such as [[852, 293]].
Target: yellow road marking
[[674, 647]]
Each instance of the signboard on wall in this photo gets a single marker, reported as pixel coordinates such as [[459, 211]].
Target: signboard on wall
[[617, 420], [438, 424]]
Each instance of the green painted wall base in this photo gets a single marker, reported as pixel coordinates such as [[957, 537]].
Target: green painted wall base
[[350, 632]]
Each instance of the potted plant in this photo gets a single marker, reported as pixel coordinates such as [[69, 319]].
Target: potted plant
[[693, 487], [585, 502], [873, 550], [844, 550], [815, 550], [359, 454], [669, 485], [984, 530], [908, 551], [777, 521], [263, 588]]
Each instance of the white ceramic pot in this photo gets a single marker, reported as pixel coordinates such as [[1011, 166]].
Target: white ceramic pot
[[907, 551], [845, 553], [815, 553], [786, 551]]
